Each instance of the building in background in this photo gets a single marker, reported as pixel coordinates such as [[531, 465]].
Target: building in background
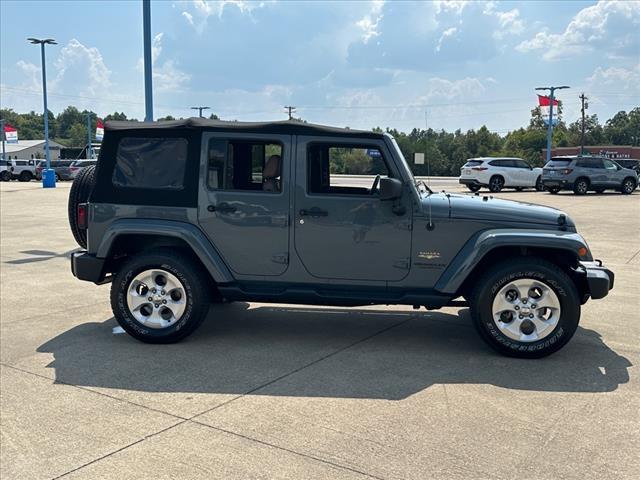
[[609, 151], [31, 149]]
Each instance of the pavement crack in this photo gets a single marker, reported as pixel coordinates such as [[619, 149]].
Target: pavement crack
[[632, 257], [307, 365]]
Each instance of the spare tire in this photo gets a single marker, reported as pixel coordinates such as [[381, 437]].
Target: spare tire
[[80, 190]]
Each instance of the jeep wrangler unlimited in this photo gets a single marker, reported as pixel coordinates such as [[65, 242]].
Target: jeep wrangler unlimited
[[182, 214]]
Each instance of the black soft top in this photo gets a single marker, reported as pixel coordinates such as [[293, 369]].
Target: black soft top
[[287, 127]]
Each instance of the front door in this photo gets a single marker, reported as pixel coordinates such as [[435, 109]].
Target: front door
[[342, 229], [244, 200]]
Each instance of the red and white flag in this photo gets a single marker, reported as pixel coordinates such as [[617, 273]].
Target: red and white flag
[[10, 133], [545, 103], [99, 131]]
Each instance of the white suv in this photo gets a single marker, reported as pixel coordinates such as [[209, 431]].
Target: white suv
[[499, 172], [23, 170]]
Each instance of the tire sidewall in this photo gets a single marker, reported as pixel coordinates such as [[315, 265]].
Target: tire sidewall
[[564, 330], [122, 283], [630, 190]]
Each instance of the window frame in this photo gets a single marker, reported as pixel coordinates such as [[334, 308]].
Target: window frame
[[365, 145], [185, 139], [228, 138]]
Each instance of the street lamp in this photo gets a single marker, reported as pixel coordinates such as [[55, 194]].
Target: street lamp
[[48, 175], [550, 125], [200, 109]]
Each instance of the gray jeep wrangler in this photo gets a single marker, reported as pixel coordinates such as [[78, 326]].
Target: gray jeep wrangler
[[184, 214]]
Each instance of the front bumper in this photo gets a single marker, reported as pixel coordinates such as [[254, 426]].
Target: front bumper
[[85, 266], [599, 278]]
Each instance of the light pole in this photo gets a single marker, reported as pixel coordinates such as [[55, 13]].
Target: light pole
[[148, 72], [200, 109], [550, 125], [89, 156], [48, 175]]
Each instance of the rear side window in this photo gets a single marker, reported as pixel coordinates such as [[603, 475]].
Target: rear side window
[[151, 163], [473, 163], [501, 163], [558, 163]]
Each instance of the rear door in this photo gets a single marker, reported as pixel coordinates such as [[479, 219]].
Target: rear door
[[244, 200], [342, 229]]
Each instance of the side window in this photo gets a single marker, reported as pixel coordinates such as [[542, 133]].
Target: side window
[[244, 165], [596, 163], [330, 168], [500, 163], [146, 162], [521, 164], [609, 165]]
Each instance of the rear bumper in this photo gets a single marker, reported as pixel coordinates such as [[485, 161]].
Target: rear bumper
[[557, 183], [599, 279], [85, 266]]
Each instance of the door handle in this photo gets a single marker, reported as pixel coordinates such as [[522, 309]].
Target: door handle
[[222, 208], [314, 212]]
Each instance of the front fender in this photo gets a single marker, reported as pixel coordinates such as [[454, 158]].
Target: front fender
[[194, 237], [479, 245]]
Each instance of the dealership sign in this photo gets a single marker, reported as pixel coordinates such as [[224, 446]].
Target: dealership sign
[[545, 105], [10, 134], [99, 131]]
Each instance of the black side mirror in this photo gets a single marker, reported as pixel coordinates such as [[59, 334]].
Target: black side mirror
[[390, 188]]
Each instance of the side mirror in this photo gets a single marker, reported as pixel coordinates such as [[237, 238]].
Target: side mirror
[[390, 188]]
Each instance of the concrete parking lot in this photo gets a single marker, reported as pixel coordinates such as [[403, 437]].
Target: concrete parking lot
[[303, 392]]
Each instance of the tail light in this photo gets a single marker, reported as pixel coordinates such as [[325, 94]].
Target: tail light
[[566, 171], [479, 169], [74, 169], [82, 215]]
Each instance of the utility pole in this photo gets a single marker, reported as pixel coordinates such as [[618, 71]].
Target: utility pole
[[89, 150], [585, 105], [148, 67], [290, 109], [550, 125], [4, 153], [200, 109]]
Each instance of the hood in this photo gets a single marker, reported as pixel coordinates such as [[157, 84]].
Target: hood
[[479, 207]]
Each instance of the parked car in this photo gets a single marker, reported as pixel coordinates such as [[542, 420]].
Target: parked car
[[17, 169], [70, 172], [181, 216], [587, 173], [498, 173], [56, 165]]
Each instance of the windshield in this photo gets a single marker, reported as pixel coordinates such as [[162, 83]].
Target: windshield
[[407, 170]]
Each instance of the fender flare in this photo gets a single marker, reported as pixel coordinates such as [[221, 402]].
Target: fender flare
[[192, 235], [479, 245]]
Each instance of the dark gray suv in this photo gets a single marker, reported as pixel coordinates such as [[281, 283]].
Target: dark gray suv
[[185, 214], [582, 174]]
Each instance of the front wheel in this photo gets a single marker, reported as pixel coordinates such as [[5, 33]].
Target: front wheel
[[628, 186], [527, 308], [473, 188], [5, 176], [160, 296], [539, 185], [581, 187]]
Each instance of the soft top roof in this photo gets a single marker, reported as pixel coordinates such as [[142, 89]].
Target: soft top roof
[[287, 127]]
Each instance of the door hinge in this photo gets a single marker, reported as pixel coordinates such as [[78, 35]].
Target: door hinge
[[404, 263], [283, 259]]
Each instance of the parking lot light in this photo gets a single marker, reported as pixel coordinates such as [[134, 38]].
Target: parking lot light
[[48, 175]]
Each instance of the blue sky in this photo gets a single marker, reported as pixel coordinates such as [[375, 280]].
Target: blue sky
[[360, 64]]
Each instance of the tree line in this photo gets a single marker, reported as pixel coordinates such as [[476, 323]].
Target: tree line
[[445, 151]]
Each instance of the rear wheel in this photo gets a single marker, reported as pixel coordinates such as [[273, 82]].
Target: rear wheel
[[628, 186], [526, 308], [496, 183], [25, 176], [5, 176], [473, 188], [80, 190], [581, 186], [160, 296]]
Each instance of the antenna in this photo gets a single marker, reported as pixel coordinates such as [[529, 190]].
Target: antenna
[[426, 150]]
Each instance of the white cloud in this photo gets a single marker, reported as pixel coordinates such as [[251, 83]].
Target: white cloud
[[369, 23], [603, 24], [455, 6], [447, 33], [621, 79], [189, 17], [81, 65], [167, 77], [201, 10], [509, 21]]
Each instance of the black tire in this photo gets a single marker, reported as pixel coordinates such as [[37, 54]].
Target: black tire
[[5, 176], [473, 188], [496, 183], [25, 176], [581, 186], [539, 185], [194, 280], [628, 186], [80, 190], [57, 177], [541, 270], [553, 190]]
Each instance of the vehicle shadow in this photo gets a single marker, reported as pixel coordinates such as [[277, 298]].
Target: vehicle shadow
[[320, 352]]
